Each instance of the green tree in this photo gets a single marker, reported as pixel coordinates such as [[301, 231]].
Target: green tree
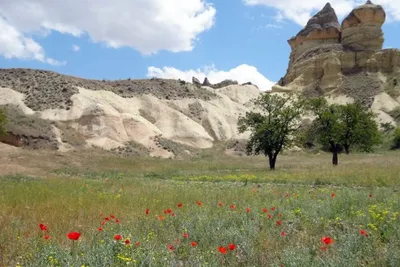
[[3, 122], [273, 125], [344, 126], [396, 139]]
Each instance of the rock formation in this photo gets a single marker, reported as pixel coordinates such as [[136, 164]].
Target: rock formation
[[206, 82], [347, 60]]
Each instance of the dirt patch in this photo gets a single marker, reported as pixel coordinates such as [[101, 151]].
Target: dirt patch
[[46, 89]]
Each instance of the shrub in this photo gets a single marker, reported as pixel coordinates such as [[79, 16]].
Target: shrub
[[396, 139]]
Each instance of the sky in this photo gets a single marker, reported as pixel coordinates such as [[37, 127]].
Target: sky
[[243, 40]]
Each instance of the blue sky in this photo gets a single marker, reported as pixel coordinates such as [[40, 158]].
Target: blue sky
[[242, 39]]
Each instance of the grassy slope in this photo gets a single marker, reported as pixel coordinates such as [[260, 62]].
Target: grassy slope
[[76, 189]]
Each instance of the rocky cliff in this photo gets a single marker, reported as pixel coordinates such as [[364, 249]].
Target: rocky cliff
[[345, 61], [155, 116]]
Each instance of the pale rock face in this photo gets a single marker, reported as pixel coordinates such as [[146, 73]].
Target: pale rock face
[[361, 29]]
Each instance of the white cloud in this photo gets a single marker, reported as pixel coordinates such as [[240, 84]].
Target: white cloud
[[145, 25], [243, 73], [13, 44], [301, 11], [75, 48]]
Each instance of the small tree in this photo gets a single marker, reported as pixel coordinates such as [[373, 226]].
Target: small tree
[[396, 139], [274, 126], [3, 122], [344, 126]]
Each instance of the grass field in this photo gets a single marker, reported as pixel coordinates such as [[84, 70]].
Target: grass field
[[272, 218]]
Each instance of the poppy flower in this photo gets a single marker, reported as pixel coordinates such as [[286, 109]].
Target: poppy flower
[[106, 218], [222, 250], [233, 206], [270, 216], [327, 240], [172, 214], [168, 211], [47, 237], [137, 244], [363, 232], [273, 208], [43, 227], [231, 246], [185, 235], [287, 195], [199, 203], [248, 210], [333, 194], [279, 222], [280, 215], [127, 241], [283, 233], [265, 210], [180, 205], [220, 204], [74, 235], [118, 237], [116, 221], [370, 195], [103, 222], [160, 218], [147, 211], [193, 244], [112, 216], [170, 247], [100, 229]]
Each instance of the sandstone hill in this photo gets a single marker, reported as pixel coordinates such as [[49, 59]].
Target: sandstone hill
[[345, 62], [155, 116]]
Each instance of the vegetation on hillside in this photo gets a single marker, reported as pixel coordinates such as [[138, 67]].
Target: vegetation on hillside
[[3, 122], [396, 139], [272, 127]]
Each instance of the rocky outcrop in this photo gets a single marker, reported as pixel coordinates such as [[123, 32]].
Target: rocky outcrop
[[362, 28], [206, 82], [330, 60], [322, 28], [196, 81]]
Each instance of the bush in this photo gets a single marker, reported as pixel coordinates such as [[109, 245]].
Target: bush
[[396, 139], [3, 122]]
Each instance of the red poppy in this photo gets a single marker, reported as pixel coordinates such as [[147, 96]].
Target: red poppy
[[270, 216], [168, 211], [127, 241], [248, 210], [279, 222], [323, 248], [283, 233], [137, 244], [180, 205], [273, 208], [222, 250], [160, 218], [118, 237], [231, 246], [199, 203], [233, 206], [185, 235], [287, 195], [370, 195], [103, 222], [193, 244], [327, 240], [280, 215], [116, 221], [363, 232], [112, 216], [172, 214], [106, 218], [170, 247], [220, 204], [47, 237], [73, 235], [100, 229], [333, 194], [43, 227], [265, 210], [147, 211]]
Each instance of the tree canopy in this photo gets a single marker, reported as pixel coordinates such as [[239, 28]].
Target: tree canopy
[[344, 126], [272, 125]]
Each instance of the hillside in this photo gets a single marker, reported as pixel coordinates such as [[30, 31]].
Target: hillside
[[50, 110]]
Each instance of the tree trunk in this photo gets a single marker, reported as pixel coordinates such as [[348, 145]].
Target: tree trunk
[[347, 149], [335, 152], [272, 161]]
